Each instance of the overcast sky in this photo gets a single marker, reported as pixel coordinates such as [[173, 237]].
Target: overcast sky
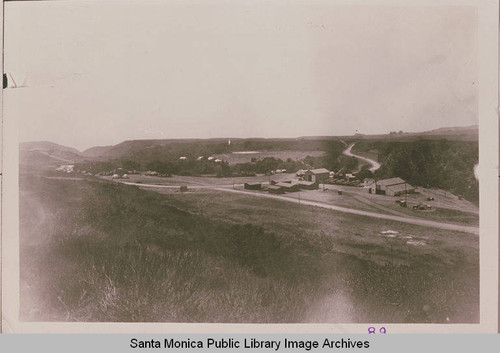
[[101, 73]]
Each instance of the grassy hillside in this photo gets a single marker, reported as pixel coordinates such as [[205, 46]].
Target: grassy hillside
[[95, 251], [165, 159], [49, 153], [46, 146], [150, 150]]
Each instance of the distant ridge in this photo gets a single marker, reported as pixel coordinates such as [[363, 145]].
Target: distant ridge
[[46, 146], [141, 147], [466, 133]]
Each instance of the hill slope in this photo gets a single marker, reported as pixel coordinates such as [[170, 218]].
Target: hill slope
[[45, 152]]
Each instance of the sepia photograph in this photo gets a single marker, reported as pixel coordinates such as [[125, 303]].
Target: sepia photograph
[[248, 162]]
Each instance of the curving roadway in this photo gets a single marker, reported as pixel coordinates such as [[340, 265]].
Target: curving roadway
[[374, 164]]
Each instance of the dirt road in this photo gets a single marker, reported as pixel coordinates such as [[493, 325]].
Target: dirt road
[[416, 221], [374, 164]]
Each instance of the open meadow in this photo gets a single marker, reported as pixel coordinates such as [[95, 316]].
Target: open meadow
[[92, 250]]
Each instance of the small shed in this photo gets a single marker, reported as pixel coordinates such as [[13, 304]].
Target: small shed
[[275, 189], [368, 181], [253, 186], [307, 185], [300, 173], [289, 187]]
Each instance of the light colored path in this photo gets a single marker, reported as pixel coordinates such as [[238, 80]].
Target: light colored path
[[55, 157], [224, 186], [64, 178], [416, 221], [380, 207], [374, 164]]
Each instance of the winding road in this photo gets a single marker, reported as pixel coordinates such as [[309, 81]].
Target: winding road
[[374, 164]]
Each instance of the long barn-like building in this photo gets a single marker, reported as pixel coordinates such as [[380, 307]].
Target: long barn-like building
[[391, 187], [316, 175], [274, 189], [253, 186]]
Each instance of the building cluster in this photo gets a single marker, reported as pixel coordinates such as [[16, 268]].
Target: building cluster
[[283, 186], [308, 180], [200, 158], [66, 168], [311, 178]]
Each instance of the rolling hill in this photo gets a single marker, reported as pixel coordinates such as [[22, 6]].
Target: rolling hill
[[47, 153]]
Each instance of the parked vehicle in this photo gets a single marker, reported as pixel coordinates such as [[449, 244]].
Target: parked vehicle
[[422, 207], [402, 203]]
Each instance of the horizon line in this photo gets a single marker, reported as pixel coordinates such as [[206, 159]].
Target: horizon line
[[255, 137]]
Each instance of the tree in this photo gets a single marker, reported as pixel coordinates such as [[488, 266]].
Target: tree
[[365, 173]]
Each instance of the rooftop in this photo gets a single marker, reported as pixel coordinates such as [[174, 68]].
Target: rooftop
[[391, 181], [305, 182], [285, 185], [274, 187], [401, 187], [319, 171]]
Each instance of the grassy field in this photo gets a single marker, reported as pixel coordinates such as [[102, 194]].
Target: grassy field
[[96, 251], [444, 209]]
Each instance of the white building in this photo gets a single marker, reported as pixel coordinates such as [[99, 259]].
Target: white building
[[66, 168]]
